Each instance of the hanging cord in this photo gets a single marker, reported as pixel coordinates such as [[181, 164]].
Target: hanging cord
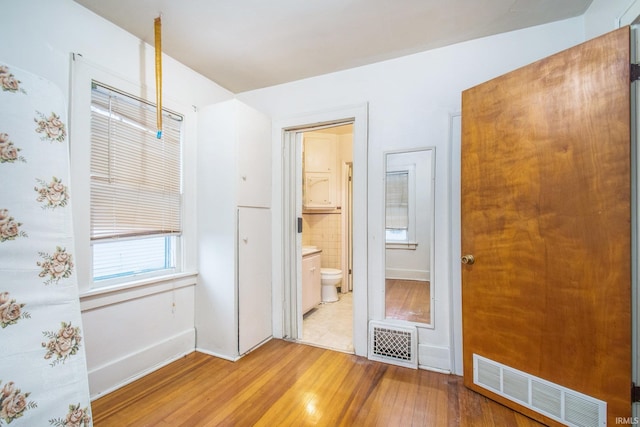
[[158, 43]]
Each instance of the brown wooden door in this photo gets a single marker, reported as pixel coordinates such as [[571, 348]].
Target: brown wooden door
[[546, 213]]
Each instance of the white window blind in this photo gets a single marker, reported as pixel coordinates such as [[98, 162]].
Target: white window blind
[[397, 200], [135, 177]]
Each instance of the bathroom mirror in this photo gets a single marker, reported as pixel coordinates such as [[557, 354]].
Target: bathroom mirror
[[409, 196]]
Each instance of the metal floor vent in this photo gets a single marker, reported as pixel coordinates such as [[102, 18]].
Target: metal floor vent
[[552, 400], [393, 344]]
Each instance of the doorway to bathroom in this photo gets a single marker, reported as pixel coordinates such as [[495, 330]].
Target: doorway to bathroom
[[326, 283], [288, 197]]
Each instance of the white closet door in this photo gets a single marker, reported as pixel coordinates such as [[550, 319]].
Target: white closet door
[[254, 157], [254, 277]]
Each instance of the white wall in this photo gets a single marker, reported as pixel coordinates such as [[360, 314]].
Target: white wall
[[130, 331], [39, 35], [606, 15], [410, 101]]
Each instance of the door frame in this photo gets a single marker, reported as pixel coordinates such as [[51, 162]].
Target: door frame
[[347, 225], [455, 129], [635, 240], [286, 250], [631, 16]]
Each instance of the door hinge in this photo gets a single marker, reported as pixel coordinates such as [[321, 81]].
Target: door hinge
[[635, 393], [635, 72]]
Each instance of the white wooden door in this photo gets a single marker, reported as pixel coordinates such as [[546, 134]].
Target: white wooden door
[[254, 277], [254, 157]]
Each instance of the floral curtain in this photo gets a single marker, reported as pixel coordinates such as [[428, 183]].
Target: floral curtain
[[43, 371]]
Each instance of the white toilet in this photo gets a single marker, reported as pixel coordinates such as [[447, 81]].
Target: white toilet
[[330, 278]]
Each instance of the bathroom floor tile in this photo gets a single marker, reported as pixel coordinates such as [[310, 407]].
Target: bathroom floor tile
[[330, 325]]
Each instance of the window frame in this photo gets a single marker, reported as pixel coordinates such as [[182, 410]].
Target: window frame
[[102, 182], [410, 241], [83, 72]]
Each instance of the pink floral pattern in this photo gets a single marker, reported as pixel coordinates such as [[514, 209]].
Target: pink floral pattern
[[11, 311], [52, 127], [57, 266], [76, 417], [32, 109], [63, 343], [9, 153], [13, 403], [53, 194], [8, 82], [9, 227]]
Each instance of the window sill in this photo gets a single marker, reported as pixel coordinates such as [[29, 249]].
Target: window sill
[[108, 295], [410, 246]]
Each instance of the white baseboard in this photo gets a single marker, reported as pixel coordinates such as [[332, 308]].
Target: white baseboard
[[434, 358], [232, 358], [218, 355], [404, 274], [118, 373]]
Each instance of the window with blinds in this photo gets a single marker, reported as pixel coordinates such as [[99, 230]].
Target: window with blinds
[[136, 186], [397, 206]]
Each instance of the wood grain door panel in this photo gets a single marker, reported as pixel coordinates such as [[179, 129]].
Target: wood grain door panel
[[546, 212]]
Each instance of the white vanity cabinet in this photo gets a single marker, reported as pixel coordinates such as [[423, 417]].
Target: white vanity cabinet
[[311, 286], [320, 171]]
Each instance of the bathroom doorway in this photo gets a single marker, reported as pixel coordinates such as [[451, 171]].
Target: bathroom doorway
[[326, 284], [287, 298]]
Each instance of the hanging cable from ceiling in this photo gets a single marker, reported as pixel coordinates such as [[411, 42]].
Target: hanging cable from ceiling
[[158, 44]]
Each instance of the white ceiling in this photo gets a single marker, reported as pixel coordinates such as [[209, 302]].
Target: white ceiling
[[249, 44]]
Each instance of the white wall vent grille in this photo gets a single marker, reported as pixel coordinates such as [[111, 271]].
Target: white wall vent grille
[[393, 344], [552, 400]]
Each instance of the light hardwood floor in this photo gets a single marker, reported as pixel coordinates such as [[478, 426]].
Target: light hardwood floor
[[408, 300], [289, 384]]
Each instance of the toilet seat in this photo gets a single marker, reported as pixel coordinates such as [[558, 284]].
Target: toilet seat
[[330, 271]]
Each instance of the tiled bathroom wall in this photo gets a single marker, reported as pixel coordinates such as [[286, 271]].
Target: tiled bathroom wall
[[324, 231]]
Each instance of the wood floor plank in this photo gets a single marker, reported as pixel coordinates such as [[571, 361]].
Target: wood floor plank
[[408, 300], [289, 384]]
